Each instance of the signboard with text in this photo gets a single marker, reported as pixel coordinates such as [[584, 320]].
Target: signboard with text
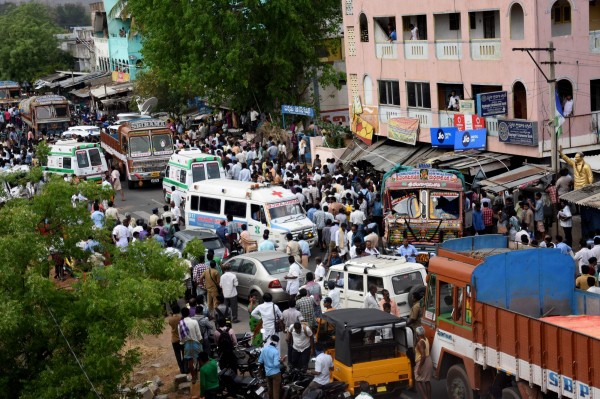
[[494, 103], [403, 130], [298, 110], [468, 122], [518, 132], [470, 140], [146, 123], [467, 106], [443, 137]]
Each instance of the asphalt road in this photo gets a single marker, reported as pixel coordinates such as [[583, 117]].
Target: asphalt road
[[141, 200]]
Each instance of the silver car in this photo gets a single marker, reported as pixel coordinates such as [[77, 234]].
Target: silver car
[[208, 237], [261, 272]]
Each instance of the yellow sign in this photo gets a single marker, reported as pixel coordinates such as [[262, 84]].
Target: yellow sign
[[363, 129], [120, 77]]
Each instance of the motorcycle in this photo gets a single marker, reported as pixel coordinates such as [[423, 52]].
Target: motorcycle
[[248, 360], [294, 382], [333, 390]]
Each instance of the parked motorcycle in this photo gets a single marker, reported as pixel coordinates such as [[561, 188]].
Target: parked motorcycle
[[333, 390], [293, 383]]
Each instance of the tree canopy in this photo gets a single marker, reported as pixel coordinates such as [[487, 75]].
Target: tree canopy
[[28, 48], [242, 53], [44, 325]]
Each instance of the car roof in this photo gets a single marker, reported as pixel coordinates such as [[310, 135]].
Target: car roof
[[359, 318], [83, 128], [199, 233], [264, 255], [378, 265]]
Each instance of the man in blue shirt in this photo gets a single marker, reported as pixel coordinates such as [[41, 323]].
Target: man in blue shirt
[[270, 359], [564, 248], [222, 232], [478, 224], [97, 217], [266, 244], [408, 251]]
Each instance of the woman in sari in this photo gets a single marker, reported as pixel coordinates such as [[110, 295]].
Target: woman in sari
[[255, 324]]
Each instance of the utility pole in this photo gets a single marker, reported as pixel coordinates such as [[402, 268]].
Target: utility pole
[[551, 80]]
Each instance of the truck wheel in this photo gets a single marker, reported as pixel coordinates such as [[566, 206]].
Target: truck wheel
[[511, 393], [130, 184], [457, 383]]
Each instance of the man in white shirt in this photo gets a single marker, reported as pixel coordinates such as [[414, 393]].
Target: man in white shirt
[[176, 196], [320, 270], [565, 218], [323, 368], [568, 107], [267, 311], [191, 336], [293, 277], [453, 101], [357, 217], [302, 340], [121, 235], [414, 32], [245, 174], [583, 255], [371, 298], [228, 283], [236, 169], [334, 294]]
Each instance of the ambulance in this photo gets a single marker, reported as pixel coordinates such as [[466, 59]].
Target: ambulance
[[85, 160], [190, 166], [260, 206]]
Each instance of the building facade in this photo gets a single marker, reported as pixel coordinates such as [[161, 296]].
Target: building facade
[[445, 46]]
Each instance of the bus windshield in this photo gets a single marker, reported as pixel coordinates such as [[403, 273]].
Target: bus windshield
[[139, 146], [444, 205], [287, 210], [162, 144], [406, 203]]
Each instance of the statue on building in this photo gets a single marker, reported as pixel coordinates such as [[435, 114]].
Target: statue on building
[[582, 172]]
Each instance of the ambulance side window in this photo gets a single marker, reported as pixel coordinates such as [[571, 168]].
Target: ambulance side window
[[66, 163], [194, 203], [182, 174], [95, 158], [82, 159]]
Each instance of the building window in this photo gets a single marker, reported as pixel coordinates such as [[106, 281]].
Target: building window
[[349, 7], [454, 21], [418, 94], [472, 21], [368, 90], [561, 12], [519, 101], [364, 28], [517, 22], [389, 92], [351, 40]]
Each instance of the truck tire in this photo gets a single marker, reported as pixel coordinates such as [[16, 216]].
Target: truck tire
[[511, 393], [457, 383], [415, 288]]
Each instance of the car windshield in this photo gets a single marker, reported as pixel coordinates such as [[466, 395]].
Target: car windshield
[[402, 283], [162, 144], [406, 203], [139, 146], [444, 205], [287, 209], [212, 243], [277, 265]]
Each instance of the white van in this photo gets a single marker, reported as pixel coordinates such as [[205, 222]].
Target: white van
[[258, 205], [187, 167], [393, 273], [81, 131], [85, 160], [129, 116]]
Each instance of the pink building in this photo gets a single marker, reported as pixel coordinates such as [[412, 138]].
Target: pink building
[[466, 47]]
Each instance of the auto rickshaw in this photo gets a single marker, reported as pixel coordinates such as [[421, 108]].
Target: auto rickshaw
[[368, 345]]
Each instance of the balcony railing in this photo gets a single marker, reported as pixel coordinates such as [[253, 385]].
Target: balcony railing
[[485, 49], [387, 51], [416, 50], [448, 50], [386, 112], [491, 124], [425, 117], [447, 118], [595, 41]]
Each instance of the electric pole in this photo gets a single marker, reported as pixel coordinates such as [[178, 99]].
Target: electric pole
[[551, 80]]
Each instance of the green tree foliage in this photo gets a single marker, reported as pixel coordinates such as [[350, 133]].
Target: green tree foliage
[[242, 53], [171, 97], [97, 314], [69, 15], [28, 48]]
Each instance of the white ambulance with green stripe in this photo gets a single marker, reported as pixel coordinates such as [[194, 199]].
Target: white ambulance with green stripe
[[85, 160], [190, 166]]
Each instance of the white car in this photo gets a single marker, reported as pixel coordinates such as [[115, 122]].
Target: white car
[[81, 131]]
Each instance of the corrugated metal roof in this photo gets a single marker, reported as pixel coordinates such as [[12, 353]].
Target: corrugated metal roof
[[594, 162], [587, 196], [524, 176]]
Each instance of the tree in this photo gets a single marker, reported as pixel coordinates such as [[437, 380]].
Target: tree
[[171, 98], [43, 327], [28, 48], [241, 53]]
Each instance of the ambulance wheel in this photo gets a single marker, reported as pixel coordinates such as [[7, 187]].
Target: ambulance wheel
[[511, 393], [457, 383]]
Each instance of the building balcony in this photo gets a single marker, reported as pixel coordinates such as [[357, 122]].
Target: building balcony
[[387, 112], [416, 50], [446, 118], [448, 49], [424, 116], [386, 51], [485, 49], [595, 41], [491, 125]]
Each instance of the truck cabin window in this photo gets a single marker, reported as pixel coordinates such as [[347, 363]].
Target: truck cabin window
[[61, 112], [444, 205], [139, 146], [162, 144], [405, 203]]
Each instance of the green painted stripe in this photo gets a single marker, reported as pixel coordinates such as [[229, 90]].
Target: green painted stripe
[[172, 163], [175, 183], [62, 153], [58, 170]]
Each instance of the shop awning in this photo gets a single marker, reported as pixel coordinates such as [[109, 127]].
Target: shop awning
[[82, 93], [110, 90], [522, 177], [587, 196]]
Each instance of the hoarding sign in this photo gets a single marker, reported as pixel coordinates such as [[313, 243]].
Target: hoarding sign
[[403, 130], [297, 110], [470, 140], [468, 122], [467, 106], [518, 132], [494, 103], [443, 137]]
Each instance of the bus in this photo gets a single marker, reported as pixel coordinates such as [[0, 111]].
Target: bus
[[48, 114], [10, 93], [141, 149]]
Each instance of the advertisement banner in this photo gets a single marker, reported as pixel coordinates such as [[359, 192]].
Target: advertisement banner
[[120, 77], [443, 137], [470, 140], [495, 103], [467, 106], [363, 129], [403, 130], [468, 122], [518, 132]]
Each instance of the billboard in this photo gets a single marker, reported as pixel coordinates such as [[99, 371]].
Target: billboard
[[443, 137], [470, 140], [403, 130], [468, 122], [494, 103], [518, 132]]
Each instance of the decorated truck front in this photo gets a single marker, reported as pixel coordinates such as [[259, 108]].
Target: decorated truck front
[[423, 205]]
